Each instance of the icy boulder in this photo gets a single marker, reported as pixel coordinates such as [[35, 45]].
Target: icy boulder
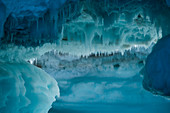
[[25, 88], [157, 69]]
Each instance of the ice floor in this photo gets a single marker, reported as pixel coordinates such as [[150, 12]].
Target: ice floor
[[104, 90]]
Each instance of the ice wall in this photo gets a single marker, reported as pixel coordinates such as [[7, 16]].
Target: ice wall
[[25, 88], [157, 69]]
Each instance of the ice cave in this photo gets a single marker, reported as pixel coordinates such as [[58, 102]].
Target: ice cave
[[84, 56]]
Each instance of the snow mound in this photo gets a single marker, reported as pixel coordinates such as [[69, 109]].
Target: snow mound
[[157, 69], [25, 88]]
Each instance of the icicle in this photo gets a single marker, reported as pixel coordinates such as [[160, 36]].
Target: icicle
[[69, 10], [63, 16], [95, 54], [105, 53], [160, 33], [35, 61], [37, 24], [32, 61], [11, 37]]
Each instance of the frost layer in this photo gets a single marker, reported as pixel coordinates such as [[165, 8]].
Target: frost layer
[[25, 88], [157, 69]]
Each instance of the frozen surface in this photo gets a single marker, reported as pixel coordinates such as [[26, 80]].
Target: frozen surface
[[25, 88], [157, 69], [101, 84]]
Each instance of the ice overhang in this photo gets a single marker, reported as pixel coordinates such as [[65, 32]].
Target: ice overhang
[[91, 30], [84, 27]]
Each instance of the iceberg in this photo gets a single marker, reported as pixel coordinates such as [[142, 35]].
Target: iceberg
[[25, 88]]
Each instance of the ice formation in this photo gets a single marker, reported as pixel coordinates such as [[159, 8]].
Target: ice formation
[[157, 69], [25, 88], [51, 20], [74, 40], [55, 63], [24, 9]]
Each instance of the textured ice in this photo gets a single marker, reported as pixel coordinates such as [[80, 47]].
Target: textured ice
[[17, 53], [56, 63], [26, 8], [94, 23], [34, 6], [96, 50], [91, 38], [25, 88], [157, 69]]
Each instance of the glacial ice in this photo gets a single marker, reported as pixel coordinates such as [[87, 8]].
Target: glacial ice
[[157, 69], [25, 88]]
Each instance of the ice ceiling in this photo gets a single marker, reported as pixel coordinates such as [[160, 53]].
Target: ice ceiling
[[85, 27], [78, 38]]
